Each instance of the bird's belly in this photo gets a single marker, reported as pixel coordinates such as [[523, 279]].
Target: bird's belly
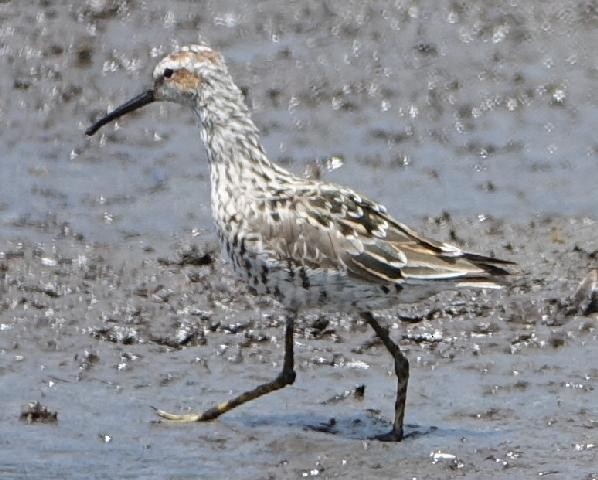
[[304, 288]]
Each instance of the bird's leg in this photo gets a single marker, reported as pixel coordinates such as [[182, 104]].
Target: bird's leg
[[286, 377], [402, 372]]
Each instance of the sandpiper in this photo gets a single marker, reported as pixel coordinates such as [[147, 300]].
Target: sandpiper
[[309, 243]]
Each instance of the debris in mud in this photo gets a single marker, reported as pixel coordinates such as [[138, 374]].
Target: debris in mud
[[411, 319], [235, 327], [88, 360], [190, 256], [424, 337], [50, 289], [35, 412], [358, 393], [338, 360], [252, 337], [454, 309], [319, 324], [583, 302], [521, 385], [320, 329], [145, 291], [365, 346], [545, 473], [452, 460], [485, 328], [320, 360], [525, 340], [494, 414], [195, 277], [117, 334], [237, 356], [187, 334], [523, 313], [586, 297], [557, 339], [358, 364], [424, 48], [11, 254]]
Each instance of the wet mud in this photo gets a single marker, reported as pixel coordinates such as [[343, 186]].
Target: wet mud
[[472, 122]]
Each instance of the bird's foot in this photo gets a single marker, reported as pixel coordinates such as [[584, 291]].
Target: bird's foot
[[178, 418], [393, 436], [397, 435]]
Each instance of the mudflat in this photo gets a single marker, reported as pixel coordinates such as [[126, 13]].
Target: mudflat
[[474, 124]]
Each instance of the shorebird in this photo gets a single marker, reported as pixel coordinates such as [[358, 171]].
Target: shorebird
[[309, 243]]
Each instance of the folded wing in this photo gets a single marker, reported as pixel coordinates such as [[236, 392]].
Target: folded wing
[[325, 226]]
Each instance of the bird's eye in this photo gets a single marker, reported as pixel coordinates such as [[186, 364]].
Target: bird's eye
[[168, 72]]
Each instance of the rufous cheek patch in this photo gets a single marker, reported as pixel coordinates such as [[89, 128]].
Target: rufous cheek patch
[[186, 80]]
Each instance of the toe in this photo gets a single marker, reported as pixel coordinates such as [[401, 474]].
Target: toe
[[392, 436]]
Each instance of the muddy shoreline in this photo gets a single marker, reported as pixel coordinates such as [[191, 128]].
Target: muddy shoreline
[[472, 123], [99, 334]]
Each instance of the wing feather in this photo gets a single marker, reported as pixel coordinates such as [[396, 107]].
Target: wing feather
[[324, 226]]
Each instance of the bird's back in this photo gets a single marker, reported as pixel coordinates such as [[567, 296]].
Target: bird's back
[[312, 243]]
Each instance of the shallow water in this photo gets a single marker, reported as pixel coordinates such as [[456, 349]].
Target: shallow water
[[484, 111], [489, 110]]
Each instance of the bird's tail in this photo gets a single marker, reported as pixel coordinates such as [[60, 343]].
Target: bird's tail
[[493, 272]]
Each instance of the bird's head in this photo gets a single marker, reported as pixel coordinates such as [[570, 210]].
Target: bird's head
[[190, 75]]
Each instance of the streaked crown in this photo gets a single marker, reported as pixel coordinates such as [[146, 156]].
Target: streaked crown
[[185, 73]]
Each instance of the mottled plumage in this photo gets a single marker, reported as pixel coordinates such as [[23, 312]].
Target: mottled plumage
[[309, 243]]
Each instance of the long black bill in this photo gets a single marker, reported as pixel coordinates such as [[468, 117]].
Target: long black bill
[[133, 104]]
